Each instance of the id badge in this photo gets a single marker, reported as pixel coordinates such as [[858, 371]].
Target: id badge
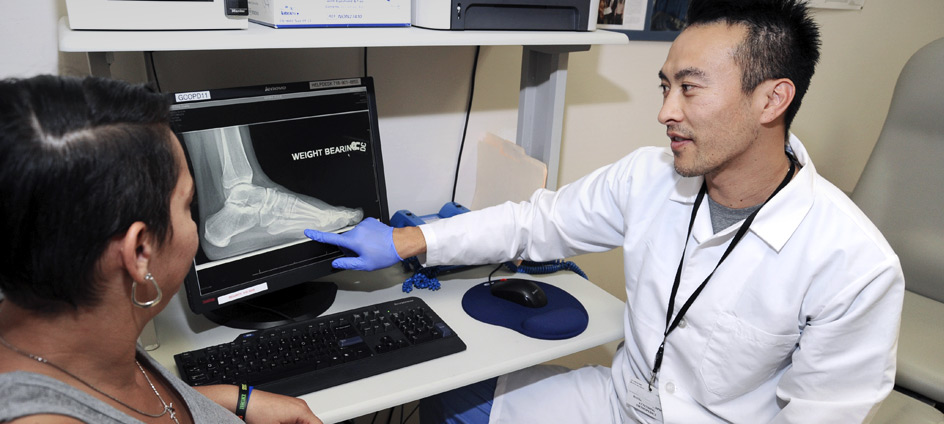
[[644, 401]]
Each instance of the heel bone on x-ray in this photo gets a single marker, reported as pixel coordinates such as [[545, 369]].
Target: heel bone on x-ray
[[267, 213]]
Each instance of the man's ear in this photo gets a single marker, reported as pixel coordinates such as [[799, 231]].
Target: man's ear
[[136, 249], [778, 95]]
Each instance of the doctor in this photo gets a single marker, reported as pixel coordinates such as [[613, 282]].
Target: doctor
[[757, 291]]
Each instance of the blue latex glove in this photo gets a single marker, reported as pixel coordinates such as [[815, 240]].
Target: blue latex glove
[[371, 241]]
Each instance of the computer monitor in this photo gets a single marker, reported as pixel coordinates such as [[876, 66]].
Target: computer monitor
[[269, 162]]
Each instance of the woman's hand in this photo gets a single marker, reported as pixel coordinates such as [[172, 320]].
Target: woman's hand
[[269, 408], [264, 407]]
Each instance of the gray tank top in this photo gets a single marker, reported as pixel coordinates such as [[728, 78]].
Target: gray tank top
[[26, 393]]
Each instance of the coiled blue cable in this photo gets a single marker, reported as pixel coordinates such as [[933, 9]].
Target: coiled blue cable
[[548, 267]]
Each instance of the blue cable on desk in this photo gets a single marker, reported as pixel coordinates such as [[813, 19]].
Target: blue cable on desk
[[426, 277]]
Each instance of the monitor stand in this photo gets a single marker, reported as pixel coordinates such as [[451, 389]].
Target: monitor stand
[[296, 303]]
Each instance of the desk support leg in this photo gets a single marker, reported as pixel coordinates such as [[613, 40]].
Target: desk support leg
[[100, 63], [541, 104]]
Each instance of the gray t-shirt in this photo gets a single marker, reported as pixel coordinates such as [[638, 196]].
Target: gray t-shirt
[[723, 217], [26, 393]]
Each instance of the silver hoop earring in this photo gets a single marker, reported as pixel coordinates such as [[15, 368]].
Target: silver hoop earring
[[134, 289]]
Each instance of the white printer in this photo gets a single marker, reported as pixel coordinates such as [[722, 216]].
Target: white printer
[[157, 15], [531, 15]]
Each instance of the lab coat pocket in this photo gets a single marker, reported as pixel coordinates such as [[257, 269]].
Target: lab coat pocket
[[740, 357]]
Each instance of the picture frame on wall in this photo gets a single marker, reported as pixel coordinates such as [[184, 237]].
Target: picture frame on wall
[[646, 20]]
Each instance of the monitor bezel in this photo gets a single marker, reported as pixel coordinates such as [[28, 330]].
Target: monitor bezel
[[207, 303]]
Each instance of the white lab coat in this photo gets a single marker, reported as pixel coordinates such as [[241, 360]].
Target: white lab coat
[[798, 325]]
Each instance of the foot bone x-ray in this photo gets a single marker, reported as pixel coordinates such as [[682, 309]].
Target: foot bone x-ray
[[255, 210]]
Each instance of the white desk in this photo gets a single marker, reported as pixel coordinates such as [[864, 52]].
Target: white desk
[[491, 350]]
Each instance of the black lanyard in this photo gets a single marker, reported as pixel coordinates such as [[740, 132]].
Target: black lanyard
[[671, 324]]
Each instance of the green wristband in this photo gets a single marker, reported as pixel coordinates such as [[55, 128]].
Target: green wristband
[[243, 401]]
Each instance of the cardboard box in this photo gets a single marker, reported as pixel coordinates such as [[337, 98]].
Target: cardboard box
[[329, 13]]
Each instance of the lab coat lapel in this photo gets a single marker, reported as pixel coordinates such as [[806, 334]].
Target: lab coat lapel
[[776, 221], [781, 217], [686, 190]]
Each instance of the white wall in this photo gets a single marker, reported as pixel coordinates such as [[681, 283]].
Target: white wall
[[29, 47], [612, 94], [29, 38]]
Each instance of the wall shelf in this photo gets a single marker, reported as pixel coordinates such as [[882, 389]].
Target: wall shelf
[[263, 37], [543, 62]]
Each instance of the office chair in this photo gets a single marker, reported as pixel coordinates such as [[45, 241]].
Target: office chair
[[902, 192]]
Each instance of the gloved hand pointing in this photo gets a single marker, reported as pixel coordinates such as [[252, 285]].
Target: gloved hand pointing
[[371, 241]]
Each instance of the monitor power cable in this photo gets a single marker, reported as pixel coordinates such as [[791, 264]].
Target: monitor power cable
[[157, 84], [468, 112]]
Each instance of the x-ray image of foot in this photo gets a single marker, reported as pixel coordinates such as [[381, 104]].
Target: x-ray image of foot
[[255, 212], [249, 207]]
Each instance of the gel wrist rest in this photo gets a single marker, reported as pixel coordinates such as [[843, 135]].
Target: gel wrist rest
[[562, 318]]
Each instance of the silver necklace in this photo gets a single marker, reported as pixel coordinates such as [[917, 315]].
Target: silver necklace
[[168, 407]]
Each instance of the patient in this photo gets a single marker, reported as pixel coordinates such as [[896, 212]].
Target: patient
[[97, 237]]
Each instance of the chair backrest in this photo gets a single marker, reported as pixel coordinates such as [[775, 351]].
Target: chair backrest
[[902, 186]]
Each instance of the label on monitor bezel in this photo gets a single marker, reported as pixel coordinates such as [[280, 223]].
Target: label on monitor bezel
[[249, 291], [347, 82], [192, 96]]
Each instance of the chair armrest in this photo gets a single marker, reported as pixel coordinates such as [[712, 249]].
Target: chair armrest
[[921, 346]]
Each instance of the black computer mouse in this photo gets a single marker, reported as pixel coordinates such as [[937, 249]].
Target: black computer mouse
[[520, 291]]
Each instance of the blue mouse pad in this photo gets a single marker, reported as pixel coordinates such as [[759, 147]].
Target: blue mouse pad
[[562, 318]]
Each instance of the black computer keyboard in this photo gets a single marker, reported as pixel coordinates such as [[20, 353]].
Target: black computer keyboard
[[327, 351]]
